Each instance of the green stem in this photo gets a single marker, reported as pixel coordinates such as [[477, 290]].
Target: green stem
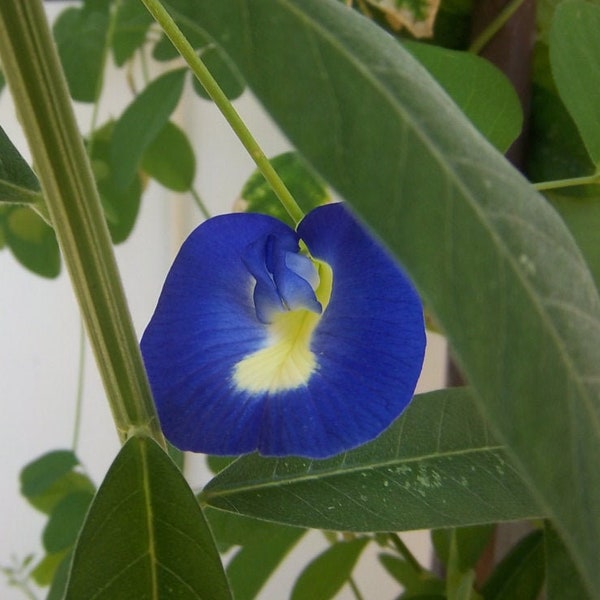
[[39, 89], [355, 589], [492, 29], [80, 386], [405, 552], [564, 183], [200, 203], [213, 89]]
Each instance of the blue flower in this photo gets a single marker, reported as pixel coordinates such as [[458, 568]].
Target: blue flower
[[303, 343]]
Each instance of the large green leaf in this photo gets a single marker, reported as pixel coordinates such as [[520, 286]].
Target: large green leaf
[[575, 59], [437, 466], [493, 261], [145, 535], [141, 122]]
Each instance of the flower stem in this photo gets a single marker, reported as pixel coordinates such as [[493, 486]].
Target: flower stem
[[564, 183], [36, 80], [213, 89], [199, 203], [492, 29]]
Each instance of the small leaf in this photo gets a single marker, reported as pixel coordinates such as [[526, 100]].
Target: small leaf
[[131, 25], [304, 184], [415, 583], [170, 159], [575, 59], [325, 575], [32, 241], [121, 206], [437, 461], [263, 546], [40, 474], [18, 182], [470, 543], [479, 89], [65, 521], [141, 122], [520, 574], [61, 576], [69, 483], [223, 70], [45, 570], [145, 535], [80, 35]]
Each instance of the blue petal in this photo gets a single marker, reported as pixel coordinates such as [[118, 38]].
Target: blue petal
[[205, 323], [367, 345]]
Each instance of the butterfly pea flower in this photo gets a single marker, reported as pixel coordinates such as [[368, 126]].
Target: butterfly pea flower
[[306, 342]]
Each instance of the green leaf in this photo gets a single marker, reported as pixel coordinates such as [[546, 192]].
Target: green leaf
[[415, 583], [582, 216], [121, 205], [61, 576], [18, 182], [223, 70], [40, 474], [575, 59], [141, 122], [65, 521], [479, 89], [145, 535], [131, 25], [495, 265], [470, 543], [170, 159], [69, 483], [45, 571], [189, 19], [306, 187], [32, 241], [80, 35], [263, 546], [520, 574], [437, 462], [325, 575], [563, 582]]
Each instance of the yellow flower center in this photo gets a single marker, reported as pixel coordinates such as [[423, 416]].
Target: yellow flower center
[[287, 361]]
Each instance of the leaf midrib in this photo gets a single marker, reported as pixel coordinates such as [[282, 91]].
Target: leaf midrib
[[321, 475]]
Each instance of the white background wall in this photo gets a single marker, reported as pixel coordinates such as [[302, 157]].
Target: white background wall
[[40, 333]]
